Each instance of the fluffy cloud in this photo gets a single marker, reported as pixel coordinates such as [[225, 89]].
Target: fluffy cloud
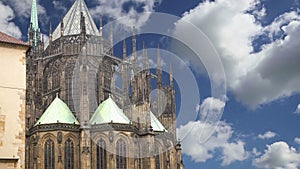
[[137, 12], [23, 8], [211, 108], [297, 140], [279, 155], [297, 111], [255, 78], [267, 135], [202, 151], [6, 24]]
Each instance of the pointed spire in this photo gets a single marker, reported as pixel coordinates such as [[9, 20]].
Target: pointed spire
[[34, 16], [82, 23], [34, 27], [101, 26], [111, 38], [124, 50], [62, 27], [30, 35], [171, 77], [134, 54], [145, 57], [50, 32], [158, 70]]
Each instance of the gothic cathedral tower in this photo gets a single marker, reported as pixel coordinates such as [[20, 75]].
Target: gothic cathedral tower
[[77, 118]]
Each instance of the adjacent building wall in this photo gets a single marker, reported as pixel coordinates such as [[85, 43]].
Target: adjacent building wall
[[12, 105]]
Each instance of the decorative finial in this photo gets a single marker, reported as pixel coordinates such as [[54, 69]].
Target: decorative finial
[[171, 76], [57, 95], [101, 26], [124, 49]]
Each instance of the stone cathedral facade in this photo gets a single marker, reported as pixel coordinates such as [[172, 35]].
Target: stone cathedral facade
[[77, 117]]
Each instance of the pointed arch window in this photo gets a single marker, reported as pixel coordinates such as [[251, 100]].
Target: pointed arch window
[[121, 154], [69, 86], [69, 154], [49, 154], [101, 155]]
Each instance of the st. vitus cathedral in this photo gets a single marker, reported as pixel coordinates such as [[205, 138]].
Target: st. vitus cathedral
[[76, 115]]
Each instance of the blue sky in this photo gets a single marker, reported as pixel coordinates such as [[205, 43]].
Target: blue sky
[[257, 42]]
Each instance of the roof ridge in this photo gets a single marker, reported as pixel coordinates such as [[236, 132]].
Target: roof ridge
[[72, 21], [10, 39]]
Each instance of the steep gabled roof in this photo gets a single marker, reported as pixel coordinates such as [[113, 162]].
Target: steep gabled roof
[[57, 112], [12, 40], [72, 21], [108, 111], [156, 124]]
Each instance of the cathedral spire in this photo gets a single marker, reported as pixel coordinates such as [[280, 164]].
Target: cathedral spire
[[101, 26], [134, 54], [50, 33], [111, 38], [124, 50], [145, 59], [34, 16], [158, 70], [171, 77], [34, 27]]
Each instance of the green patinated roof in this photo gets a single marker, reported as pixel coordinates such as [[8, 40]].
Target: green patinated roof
[[108, 111], [34, 16], [57, 112], [155, 123]]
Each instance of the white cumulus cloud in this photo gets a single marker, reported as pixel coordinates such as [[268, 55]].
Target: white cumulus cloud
[[255, 78], [278, 155], [231, 151], [297, 140], [23, 8], [6, 24], [267, 135], [137, 14]]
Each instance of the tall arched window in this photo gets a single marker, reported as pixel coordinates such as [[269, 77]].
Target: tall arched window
[[69, 154], [69, 86], [49, 155], [157, 158], [121, 154], [101, 155]]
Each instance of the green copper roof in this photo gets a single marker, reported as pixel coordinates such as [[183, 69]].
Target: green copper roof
[[57, 112], [108, 111], [34, 16], [155, 123]]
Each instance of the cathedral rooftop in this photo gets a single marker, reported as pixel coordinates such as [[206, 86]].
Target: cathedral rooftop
[[57, 112], [156, 124], [71, 21], [108, 111]]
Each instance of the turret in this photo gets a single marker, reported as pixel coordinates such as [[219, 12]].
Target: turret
[[158, 70], [111, 39], [30, 35], [62, 27], [50, 33], [171, 77], [134, 54], [101, 27], [82, 24]]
